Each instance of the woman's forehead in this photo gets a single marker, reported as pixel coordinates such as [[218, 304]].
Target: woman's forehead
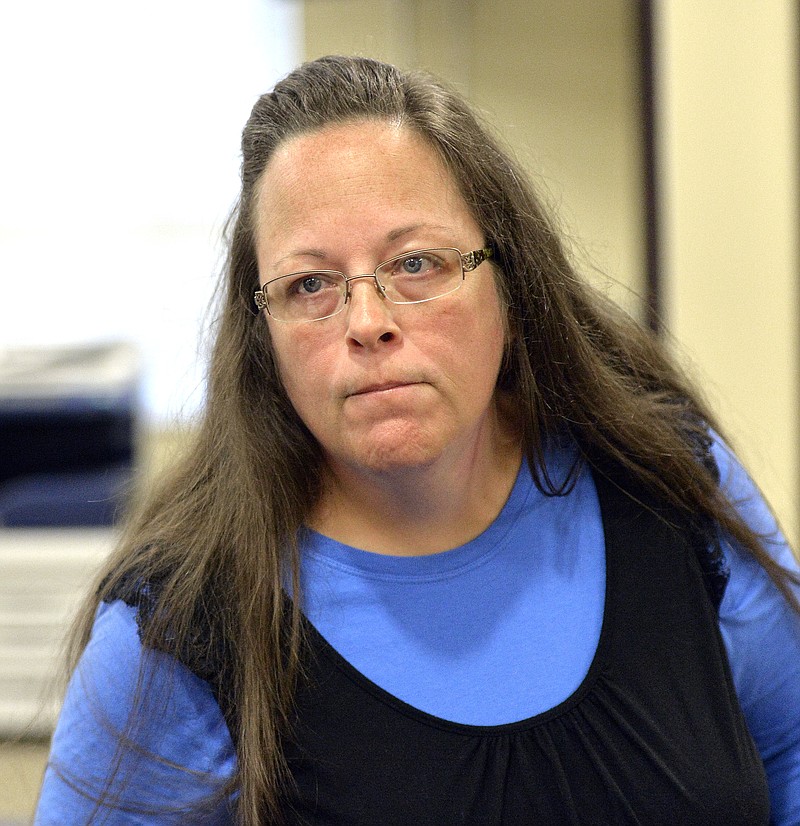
[[367, 177], [340, 149]]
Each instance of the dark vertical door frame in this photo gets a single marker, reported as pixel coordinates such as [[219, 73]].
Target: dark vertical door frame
[[653, 268]]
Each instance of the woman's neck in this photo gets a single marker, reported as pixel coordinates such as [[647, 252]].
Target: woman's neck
[[421, 510]]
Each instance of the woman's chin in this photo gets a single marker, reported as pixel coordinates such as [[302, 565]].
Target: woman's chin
[[400, 451]]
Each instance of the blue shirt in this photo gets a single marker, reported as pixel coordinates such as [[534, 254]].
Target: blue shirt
[[494, 631]]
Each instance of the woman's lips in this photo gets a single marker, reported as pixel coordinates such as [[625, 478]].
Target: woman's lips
[[378, 388], [382, 387]]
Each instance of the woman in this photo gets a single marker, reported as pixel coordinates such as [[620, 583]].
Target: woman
[[455, 543]]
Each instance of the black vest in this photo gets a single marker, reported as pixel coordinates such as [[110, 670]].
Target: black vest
[[654, 734]]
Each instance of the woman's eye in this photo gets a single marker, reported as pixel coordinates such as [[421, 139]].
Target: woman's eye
[[312, 284], [308, 285], [415, 265]]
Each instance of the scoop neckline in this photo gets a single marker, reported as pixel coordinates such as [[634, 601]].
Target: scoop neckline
[[593, 673], [438, 565]]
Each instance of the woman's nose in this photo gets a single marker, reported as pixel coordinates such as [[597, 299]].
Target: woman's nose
[[370, 316]]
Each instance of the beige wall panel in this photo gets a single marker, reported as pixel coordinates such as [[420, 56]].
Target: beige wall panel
[[560, 83], [730, 151], [563, 82], [382, 29]]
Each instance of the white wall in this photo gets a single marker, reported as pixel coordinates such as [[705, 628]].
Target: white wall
[[119, 164]]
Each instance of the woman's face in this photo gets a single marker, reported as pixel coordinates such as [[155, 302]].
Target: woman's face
[[383, 387]]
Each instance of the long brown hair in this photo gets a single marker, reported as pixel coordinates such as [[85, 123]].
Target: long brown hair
[[219, 533]]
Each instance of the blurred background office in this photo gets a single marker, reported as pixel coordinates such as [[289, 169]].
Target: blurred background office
[[665, 134]]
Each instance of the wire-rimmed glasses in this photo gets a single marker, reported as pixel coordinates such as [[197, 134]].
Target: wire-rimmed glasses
[[410, 278]]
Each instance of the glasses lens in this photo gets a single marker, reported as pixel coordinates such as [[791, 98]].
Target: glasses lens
[[421, 275], [306, 296]]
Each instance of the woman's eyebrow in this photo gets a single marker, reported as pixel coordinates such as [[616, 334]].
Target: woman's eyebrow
[[300, 253], [396, 234]]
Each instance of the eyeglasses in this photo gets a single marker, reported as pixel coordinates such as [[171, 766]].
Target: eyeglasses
[[410, 278]]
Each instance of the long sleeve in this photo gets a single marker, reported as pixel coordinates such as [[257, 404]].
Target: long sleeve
[[762, 637], [177, 753]]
